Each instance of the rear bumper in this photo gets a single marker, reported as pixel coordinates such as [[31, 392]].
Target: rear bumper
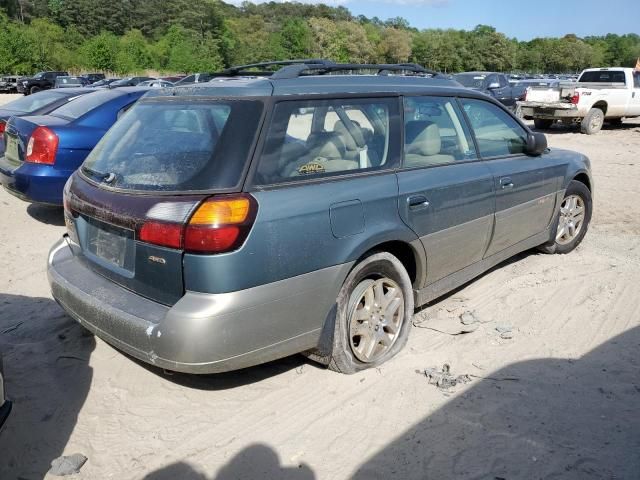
[[33, 182], [201, 333], [549, 110]]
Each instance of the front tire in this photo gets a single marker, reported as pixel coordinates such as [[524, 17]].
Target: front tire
[[542, 123], [34, 89], [374, 313], [572, 221], [592, 122]]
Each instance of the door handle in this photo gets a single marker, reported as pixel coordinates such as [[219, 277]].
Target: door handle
[[506, 183], [417, 201]]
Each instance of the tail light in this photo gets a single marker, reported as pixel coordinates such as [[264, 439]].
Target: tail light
[[3, 125], [575, 98], [219, 224], [42, 146]]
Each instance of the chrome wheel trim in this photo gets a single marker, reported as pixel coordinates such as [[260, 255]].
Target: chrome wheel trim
[[376, 319], [572, 213], [597, 121]]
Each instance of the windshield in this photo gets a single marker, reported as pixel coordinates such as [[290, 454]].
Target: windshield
[[469, 80], [177, 146], [604, 76], [85, 104], [33, 102], [38, 75]]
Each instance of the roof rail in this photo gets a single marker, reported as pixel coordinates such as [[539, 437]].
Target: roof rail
[[295, 70], [239, 69]]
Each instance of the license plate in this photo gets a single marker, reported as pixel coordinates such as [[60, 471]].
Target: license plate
[[11, 149], [109, 243]]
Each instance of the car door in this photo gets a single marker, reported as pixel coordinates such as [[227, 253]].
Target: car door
[[634, 105], [446, 195], [525, 186]]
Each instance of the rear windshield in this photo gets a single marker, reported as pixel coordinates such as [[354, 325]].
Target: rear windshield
[[605, 76], [68, 81], [169, 145], [469, 80], [85, 104], [34, 102]]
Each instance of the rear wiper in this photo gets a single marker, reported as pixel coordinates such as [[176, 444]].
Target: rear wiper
[[107, 177]]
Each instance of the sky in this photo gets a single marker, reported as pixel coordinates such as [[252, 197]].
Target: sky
[[523, 20]]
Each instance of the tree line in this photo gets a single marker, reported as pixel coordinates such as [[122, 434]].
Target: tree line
[[181, 36]]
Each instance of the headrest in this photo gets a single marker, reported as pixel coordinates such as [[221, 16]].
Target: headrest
[[347, 135], [427, 141]]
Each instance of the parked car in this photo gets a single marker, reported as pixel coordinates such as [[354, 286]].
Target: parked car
[[39, 103], [156, 84], [43, 151], [5, 403], [173, 79], [9, 83], [195, 78], [104, 83], [224, 225], [40, 81], [94, 77], [129, 82], [600, 95], [70, 82], [494, 84]]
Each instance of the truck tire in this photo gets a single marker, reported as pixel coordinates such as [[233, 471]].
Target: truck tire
[[542, 123], [592, 122], [373, 316], [572, 221], [34, 89]]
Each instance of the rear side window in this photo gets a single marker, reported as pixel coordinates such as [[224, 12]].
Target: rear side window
[[164, 145], [636, 79], [603, 76], [85, 104], [310, 139], [497, 133], [435, 132]]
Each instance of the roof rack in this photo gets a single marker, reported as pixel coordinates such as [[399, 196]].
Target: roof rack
[[298, 70], [238, 70], [318, 66]]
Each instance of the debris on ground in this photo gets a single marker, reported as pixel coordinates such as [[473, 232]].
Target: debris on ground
[[444, 324], [468, 318], [67, 465], [443, 378], [505, 331]]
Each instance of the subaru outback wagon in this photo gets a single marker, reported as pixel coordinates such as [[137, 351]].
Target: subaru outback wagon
[[223, 225]]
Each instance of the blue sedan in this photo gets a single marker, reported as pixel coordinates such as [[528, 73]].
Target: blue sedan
[[43, 151], [39, 103]]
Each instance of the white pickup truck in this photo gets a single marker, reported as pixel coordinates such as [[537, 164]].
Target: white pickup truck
[[600, 95]]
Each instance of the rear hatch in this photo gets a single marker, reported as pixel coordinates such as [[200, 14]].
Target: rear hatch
[[129, 204]]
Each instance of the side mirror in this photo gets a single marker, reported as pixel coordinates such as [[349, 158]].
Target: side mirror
[[493, 86], [536, 143]]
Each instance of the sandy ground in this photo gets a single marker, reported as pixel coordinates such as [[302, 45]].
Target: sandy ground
[[561, 399]]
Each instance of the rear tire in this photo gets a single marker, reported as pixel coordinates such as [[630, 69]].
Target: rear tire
[[34, 89], [374, 314], [592, 122], [572, 221], [542, 123]]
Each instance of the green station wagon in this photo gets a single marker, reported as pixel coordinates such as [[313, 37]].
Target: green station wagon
[[308, 208]]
